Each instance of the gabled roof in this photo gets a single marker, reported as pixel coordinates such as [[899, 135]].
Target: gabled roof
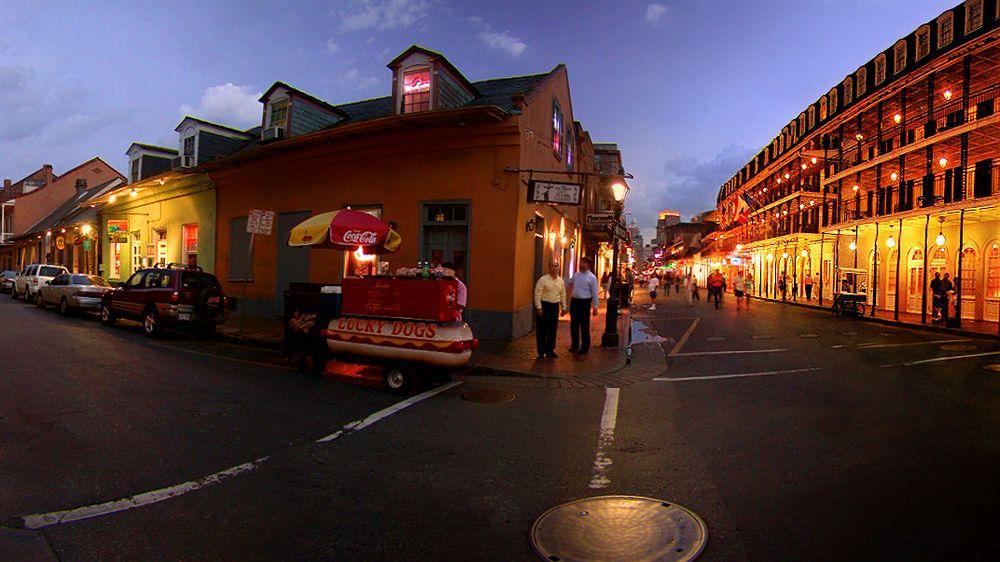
[[300, 93], [153, 148], [206, 122], [68, 208], [436, 57]]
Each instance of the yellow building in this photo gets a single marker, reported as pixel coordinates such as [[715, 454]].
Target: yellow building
[[894, 171]]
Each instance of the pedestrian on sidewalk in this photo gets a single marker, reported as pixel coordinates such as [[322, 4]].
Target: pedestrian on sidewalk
[[653, 284], [947, 289], [689, 289], [583, 288], [936, 292], [808, 282], [783, 286], [795, 288], [739, 285], [550, 304], [747, 287], [715, 284]]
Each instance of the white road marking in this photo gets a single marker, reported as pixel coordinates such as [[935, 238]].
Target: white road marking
[[808, 335], [738, 375], [41, 520], [358, 425], [730, 352], [762, 337], [837, 346], [680, 343], [950, 358], [907, 344], [608, 420]]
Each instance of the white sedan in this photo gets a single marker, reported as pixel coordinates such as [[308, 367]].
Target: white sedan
[[71, 291]]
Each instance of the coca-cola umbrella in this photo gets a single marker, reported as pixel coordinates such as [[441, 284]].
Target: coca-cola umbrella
[[346, 230]]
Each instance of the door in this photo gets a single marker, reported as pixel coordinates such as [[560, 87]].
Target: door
[[129, 301], [915, 280], [447, 244], [293, 262]]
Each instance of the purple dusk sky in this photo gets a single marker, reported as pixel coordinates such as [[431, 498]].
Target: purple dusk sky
[[689, 90]]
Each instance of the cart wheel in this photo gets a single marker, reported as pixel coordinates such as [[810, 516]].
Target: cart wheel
[[399, 379]]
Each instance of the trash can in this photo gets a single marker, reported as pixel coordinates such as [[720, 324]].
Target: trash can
[[330, 299]]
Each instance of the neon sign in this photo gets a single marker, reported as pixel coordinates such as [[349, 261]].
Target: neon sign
[[417, 82]]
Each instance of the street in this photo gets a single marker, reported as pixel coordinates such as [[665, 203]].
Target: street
[[794, 435]]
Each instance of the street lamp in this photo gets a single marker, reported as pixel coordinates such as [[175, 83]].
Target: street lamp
[[610, 337]]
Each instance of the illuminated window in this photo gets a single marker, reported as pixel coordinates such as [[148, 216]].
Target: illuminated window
[[923, 42], [557, 129], [417, 90], [822, 109], [833, 101], [899, 56], [279, 111], [890, 278], [190, 232], [862, 76], [993, 272], [116, 260], [969, 271], [848, 90], [569, 151], [945, 29], [880, 69], [973, 15]]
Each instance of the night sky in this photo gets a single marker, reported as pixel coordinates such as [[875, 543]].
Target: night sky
[[689, 90]]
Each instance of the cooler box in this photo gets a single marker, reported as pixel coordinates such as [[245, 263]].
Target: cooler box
[[429, 300]]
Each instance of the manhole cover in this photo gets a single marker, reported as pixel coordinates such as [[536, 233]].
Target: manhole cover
[[618, 528], [808, 335], [959, 347], [488, 396], [995, 367]]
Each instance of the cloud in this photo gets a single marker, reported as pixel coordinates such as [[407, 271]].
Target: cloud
[[359, 80], [383, 14], [227, 104], [655, 13], [503, 42], [332, 46], [688, 185]]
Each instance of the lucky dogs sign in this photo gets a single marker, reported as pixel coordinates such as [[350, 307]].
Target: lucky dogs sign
[[385, 327]]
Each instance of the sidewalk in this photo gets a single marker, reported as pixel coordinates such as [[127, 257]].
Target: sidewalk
[[906, 319]]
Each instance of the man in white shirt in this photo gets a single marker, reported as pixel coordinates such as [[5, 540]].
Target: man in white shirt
[[550, 304], [584, 289]]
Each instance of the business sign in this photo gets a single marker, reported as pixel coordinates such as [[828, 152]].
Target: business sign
[[260, 222], [87, 244], [60, 243], [599, 220], [621, 232], [118, 226], [558, 193]]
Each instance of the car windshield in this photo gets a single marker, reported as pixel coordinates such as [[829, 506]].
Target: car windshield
[[49, 271], [197, 281], [9, 274], [89, 280]]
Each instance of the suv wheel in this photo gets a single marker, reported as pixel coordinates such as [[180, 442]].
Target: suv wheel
[[151, 323], [64, 307], [107, 317]]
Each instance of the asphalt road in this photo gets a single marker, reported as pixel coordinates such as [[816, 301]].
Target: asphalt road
[[824, 447]]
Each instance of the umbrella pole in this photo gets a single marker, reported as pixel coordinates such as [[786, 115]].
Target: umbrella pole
[[246, 282]]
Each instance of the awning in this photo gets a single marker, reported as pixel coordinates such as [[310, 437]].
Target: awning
[[346, 230]]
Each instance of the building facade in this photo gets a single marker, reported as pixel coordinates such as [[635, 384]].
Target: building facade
[[894, 171]]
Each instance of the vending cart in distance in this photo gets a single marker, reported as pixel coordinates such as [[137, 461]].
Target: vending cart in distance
[[400, 328], [851, 292]]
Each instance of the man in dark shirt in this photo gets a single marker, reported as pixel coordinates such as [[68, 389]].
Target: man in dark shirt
[[946, 288], [936, 292]]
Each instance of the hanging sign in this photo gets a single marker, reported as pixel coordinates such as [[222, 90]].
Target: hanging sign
[[116, 226], [599, 220], [260, 222], [558, 193]]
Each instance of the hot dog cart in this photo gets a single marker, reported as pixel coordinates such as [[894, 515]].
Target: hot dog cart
[[399, 327]]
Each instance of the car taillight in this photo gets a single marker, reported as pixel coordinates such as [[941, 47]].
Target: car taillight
[[34, 281], [175, 297]]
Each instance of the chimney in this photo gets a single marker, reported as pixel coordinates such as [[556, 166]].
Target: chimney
[[81, 185], [6, 184]]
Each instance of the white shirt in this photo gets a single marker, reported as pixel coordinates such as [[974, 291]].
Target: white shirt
[[653, 283], [584, 285]]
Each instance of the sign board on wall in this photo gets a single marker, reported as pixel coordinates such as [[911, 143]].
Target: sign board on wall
[[559, 193], [118, 226], [260, 222], [60, 243], [599, 220]]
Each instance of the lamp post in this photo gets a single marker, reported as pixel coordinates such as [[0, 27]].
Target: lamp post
[[610, 337]]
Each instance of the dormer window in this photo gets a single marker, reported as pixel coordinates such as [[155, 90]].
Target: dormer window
[[134, 172], [189, 146], [279, 113], [416, 90]]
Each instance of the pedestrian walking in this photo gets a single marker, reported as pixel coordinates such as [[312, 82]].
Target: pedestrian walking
[[739, 286], [652, 286], [936, 292], [605, 283], [947, 289], [689, 289], [715, 284], [583, 289], [550, 304], [747, 287], [808, 282], [783, 286]]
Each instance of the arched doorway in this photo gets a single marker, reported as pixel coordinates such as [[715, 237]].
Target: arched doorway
[[890, 280], [915, 279], [992, 276], [970, 288]]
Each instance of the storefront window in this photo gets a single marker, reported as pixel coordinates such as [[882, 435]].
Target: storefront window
[[161, 247], [993, 272], [116, 260], [417, 90], [191, 244], [358, 263]]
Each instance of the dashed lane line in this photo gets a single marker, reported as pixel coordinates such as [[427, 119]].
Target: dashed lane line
[[729, 352], [907, 344], [738, 375], [41, 520], [687, 334]]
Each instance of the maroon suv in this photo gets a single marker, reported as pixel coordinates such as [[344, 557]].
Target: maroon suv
[[175, 296]]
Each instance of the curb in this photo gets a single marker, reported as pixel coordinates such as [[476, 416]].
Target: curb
[[889, 322], [250, 342]]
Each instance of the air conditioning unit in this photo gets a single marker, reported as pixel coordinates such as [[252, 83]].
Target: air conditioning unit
[[272, 133]]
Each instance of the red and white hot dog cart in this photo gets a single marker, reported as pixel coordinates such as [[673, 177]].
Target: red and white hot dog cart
[[400, 327]]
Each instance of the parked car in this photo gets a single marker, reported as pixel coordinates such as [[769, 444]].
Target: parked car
[[175, 296], [33, 277], [7, 278], [71, 292]]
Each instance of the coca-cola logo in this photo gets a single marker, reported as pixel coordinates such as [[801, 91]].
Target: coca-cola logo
[[360, 237]]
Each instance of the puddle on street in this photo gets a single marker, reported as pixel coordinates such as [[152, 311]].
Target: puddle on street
[[641, 333]]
